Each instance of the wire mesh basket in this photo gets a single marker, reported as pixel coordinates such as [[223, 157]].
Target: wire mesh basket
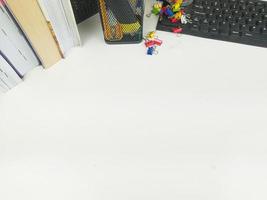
[[84, 9], [122, 20]]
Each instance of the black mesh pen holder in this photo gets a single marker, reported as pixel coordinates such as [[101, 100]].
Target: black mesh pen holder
[[122, 20], [84, 9]]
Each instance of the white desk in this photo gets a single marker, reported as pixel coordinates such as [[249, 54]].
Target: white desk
[[111, 123]]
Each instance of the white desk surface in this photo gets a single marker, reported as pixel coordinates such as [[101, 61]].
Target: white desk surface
[[110, 122]]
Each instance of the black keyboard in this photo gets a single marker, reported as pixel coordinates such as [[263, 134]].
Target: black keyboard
[[240, 21]]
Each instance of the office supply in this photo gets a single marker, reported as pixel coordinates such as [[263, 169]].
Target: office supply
[[122, 20], [14, 43], [29, 16], [152, 42], [9, 78], [112, 29], [83, 9], [240, 21]]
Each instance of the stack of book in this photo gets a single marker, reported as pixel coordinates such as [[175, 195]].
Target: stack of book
[[33, 33]]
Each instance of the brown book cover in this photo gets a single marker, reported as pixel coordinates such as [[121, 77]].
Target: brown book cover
[[32, 21]]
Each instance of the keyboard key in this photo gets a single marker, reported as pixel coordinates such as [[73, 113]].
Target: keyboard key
[[234, 33], [224, 28], [213, 30], [195, 27]]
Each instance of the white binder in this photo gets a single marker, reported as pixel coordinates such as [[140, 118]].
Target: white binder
[[60, 14]]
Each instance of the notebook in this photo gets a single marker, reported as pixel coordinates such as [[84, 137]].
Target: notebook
[[29, 16], [14, 44]]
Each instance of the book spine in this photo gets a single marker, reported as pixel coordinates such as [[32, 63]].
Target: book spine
[[7, 73]]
